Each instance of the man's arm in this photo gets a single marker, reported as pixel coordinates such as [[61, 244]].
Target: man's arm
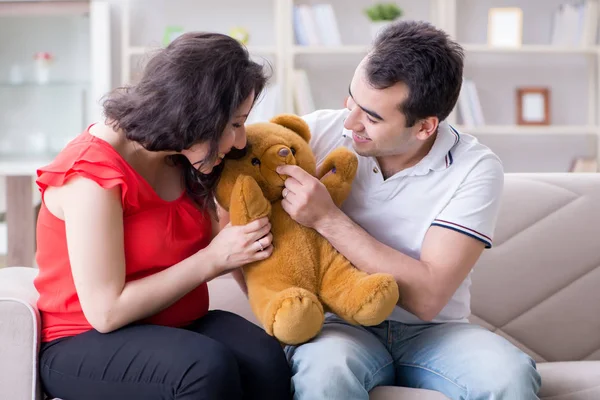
[[425, 285], [447, 256]]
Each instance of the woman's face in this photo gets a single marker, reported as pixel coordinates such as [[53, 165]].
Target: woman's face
[[234, 135]]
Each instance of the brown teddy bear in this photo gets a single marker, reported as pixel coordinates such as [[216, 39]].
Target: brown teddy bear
[[287, 291]]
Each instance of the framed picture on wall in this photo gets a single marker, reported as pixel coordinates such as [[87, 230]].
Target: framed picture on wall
[[533, 106], [505, 27]]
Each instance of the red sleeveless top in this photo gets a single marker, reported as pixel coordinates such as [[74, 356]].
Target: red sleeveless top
[[157, 235]]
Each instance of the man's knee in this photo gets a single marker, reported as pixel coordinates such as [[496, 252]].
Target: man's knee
[[335, 364], [321, 357], [512, 375]]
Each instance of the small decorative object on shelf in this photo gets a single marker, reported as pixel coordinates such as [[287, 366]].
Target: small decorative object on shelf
[[43, 60], [240, 34], [533, 106], [381, 15], [505, 27], [583, 164], [171, 33]]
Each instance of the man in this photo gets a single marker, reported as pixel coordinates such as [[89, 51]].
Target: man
[[423, 207]]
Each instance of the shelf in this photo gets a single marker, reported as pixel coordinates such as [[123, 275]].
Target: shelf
[[35, 85], [26, 165], [529, 130], [141, 50], [357, 49], [46, 8], [530, 48]]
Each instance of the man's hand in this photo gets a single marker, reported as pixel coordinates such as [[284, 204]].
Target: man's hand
[[305, 198]]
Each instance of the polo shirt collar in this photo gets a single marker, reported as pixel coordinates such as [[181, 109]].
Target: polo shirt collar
[[440, 156]]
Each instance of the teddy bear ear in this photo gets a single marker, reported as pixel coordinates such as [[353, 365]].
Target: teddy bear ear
[[295, 123]]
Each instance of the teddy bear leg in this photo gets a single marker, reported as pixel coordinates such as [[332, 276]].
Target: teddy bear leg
[[291, 314], [295, 315], [337, 173], [358, 297]]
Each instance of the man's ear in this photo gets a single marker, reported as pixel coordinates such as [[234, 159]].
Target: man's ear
[[427, 127], [294, 123]]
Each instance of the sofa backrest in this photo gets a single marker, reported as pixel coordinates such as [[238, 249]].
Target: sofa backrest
[[539, 284]]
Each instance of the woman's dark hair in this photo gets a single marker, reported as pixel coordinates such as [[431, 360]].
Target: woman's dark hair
[[187, 94], [426, 60]]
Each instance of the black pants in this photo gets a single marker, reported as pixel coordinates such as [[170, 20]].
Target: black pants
[[220, 356]]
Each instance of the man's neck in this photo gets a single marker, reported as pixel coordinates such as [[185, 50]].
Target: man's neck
[[392, 164]]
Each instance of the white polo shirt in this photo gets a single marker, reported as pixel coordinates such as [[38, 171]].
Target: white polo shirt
[[457, 186]]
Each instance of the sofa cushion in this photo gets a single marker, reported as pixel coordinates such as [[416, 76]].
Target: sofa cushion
[[579, 380], [538, 285]]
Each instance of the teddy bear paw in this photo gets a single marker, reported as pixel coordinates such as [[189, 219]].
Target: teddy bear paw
[[380, 302], [296, 314]]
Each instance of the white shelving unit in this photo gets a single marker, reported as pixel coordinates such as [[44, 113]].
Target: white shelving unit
[[38, 118], [544, 49], [465, 21], [130, 50]]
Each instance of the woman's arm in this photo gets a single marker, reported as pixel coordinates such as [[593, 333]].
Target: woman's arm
[[94, 228]]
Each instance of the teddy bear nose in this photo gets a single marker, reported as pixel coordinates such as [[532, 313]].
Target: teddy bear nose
[[284, 152]]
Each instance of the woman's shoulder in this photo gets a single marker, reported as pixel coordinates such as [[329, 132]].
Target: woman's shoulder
[[88, 147], [90, 157]]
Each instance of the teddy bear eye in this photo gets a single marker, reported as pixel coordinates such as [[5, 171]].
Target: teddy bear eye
[[255, 161], [293, 151]]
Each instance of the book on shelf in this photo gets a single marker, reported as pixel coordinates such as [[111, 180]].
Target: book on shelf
[[268, 105], [575, 24], [469, 105], [303, 99], [316, 25]]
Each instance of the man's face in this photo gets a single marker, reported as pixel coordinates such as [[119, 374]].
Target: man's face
[[378, 126]]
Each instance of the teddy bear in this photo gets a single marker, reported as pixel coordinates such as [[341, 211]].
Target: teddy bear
[[305, 276]]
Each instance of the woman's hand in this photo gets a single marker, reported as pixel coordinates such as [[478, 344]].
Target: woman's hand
[[236, 246]]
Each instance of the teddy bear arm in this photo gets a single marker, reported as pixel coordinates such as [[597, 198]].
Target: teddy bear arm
[[337, 173], [357, 297], [248, 202]]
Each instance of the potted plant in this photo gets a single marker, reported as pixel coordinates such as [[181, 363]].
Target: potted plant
[[381, 15]]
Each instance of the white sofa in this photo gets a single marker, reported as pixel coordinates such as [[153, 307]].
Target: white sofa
[[538, 287]]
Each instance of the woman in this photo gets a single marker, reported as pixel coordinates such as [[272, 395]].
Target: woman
[[127, 241]]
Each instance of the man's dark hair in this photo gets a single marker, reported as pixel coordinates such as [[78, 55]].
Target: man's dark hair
[[187, 94], [426, 60]]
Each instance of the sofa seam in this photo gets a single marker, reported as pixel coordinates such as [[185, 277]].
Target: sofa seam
[[555, 292]]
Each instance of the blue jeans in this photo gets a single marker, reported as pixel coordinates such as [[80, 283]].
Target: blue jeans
[[461, 360]]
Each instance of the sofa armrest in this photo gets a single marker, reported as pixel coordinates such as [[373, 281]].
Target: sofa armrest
[[19, 334]]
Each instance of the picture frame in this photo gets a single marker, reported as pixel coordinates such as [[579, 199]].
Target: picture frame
[[533, 106], [505, 27]]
